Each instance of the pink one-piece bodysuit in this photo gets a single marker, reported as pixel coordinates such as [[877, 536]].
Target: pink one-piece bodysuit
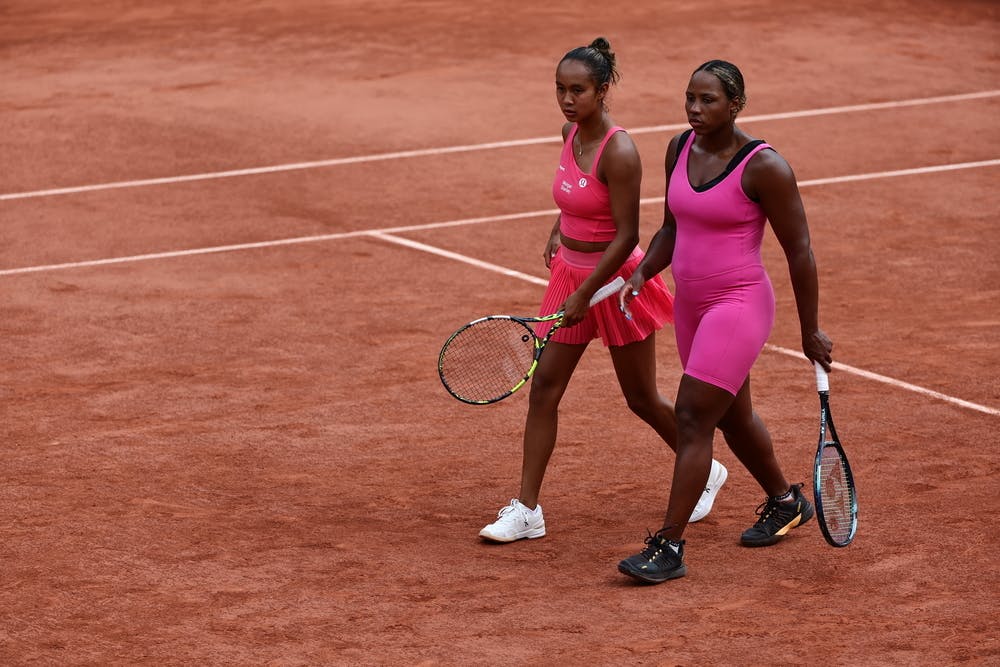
[[724, 301]]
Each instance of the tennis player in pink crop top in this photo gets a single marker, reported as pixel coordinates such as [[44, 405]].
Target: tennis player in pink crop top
[[722, 188], [583, 200], [587, 222], [594, 239]]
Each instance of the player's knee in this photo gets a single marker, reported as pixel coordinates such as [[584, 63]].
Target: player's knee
[[544, 392], [736, 425], [692, 426], [647, 406]]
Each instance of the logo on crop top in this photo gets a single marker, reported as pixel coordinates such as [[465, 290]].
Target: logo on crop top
[[566, 187], [583, 182]]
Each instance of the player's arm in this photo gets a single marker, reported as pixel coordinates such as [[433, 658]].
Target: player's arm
[[661, 248], [621, 169], [552, 243], [769, 179]]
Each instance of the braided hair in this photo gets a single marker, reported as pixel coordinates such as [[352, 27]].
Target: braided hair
[[730, 77]]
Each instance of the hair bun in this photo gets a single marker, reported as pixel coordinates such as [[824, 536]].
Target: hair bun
[[600, 60], [601, 44]]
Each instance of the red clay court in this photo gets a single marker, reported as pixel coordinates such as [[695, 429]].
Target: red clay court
[[233, 238]]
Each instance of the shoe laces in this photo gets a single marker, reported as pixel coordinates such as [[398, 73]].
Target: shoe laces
[[656, 544], [764, 510], [772, 509], [510, 512]]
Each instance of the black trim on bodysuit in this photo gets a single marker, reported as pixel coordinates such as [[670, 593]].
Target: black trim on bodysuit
[[735, 162]]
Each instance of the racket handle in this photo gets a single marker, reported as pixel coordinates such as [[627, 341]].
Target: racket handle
[[822, 379], [608, 290]]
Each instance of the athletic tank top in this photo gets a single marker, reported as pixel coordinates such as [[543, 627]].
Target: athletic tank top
[[581, 197], [719, 228]]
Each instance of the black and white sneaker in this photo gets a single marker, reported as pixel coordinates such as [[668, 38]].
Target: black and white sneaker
[[776, 518], [661, 560]]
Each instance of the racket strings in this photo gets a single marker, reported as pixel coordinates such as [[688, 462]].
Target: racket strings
[[485, 361], [835, 492]]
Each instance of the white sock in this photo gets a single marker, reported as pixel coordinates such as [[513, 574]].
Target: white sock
[[786, 497]]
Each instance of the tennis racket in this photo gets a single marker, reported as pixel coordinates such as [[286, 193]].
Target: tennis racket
[[833, 484], [489, 359]]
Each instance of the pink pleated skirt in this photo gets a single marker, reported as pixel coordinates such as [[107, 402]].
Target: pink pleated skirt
[[651, 310]]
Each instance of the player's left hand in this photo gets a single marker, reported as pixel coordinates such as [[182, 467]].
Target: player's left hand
[[818, 347]]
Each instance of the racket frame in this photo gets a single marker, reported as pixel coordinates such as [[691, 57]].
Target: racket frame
[[603, 293], [826, 427], [539, 345]]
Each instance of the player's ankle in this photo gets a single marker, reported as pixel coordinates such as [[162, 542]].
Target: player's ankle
[[786, 497]]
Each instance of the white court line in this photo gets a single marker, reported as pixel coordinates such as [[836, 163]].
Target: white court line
[[386, 235], [891, 381], [451, 223], [440, 252], [416, 245], [267, 244], [496, 268], [424, 152]]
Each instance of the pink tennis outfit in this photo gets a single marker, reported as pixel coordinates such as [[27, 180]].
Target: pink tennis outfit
[[585, 215], [725, 302]]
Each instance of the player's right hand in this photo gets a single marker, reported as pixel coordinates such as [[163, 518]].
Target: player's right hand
[[629, 291]]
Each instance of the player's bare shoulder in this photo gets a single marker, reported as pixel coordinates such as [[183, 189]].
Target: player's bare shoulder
[[621, 144], [673, 149], [767, 171], [621, 153], [769, 164]]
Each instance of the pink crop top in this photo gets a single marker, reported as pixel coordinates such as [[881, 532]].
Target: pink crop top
[[581, 197], [719, 228]]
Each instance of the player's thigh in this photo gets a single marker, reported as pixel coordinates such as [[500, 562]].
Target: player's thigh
[[729, 338], [556, 366], [635, 366]]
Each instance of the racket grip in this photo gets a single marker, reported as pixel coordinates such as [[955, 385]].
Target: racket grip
[[608, 290], [822, 379]]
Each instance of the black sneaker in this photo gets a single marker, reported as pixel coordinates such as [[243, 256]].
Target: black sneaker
[[777, 518], [657, 562]]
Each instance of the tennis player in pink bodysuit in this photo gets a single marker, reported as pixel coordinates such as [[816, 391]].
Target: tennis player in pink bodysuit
[[723, 186], [728, 303], [595, 239]]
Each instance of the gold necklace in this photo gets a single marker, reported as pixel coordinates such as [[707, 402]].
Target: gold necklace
[[580, 139]]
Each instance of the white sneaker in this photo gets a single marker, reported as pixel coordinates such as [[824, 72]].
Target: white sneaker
[[716, 478], [515, 522]]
